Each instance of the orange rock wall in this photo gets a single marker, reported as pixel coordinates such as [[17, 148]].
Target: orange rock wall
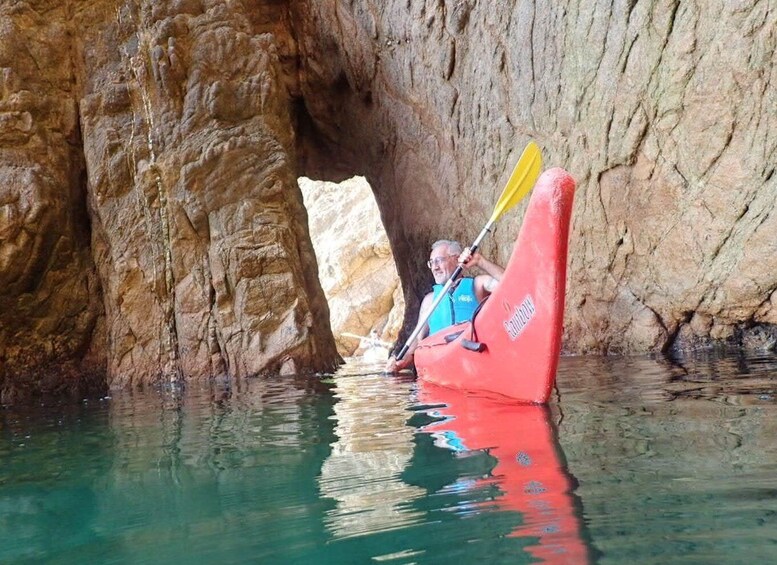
[[170, 124]]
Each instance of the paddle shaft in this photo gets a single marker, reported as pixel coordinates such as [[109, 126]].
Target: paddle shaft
[[518, 185], [456, 274]]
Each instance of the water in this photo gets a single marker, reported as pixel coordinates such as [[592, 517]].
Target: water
[[635, 461]]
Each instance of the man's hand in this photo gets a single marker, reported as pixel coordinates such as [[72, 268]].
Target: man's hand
[[468, 259], [394, 366]]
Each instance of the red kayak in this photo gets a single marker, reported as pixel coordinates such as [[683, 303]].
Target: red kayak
[[511, 349], [529, 471]]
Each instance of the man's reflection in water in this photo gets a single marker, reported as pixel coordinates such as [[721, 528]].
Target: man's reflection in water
[[374, 446]]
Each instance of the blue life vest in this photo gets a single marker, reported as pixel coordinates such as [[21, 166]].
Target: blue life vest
[[454, 308]]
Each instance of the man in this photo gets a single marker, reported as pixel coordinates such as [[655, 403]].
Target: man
[[459, 305]]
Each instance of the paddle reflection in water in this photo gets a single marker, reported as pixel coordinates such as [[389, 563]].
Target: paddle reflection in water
[[529, 473]]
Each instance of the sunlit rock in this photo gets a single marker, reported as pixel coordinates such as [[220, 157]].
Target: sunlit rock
[[355, 263]]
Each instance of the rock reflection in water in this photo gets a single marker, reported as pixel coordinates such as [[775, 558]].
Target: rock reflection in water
[[374, 446], [217, 463]]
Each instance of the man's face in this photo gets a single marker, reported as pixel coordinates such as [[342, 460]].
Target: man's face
[[442, 264]]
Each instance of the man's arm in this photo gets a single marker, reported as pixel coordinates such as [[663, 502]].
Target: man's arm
[[393, 366], [484, 284]]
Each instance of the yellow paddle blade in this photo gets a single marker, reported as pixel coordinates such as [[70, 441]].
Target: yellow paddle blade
[[521, 181]]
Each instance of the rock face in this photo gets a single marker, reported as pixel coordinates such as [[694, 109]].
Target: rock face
[[170, 122], [49, 292], [199, 231], [664, 112], [355, 264], [152, 226]]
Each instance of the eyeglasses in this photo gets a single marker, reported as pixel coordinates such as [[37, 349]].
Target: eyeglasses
[[431, 263]]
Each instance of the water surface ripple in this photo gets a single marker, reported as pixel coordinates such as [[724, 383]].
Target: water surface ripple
[[635, 460]]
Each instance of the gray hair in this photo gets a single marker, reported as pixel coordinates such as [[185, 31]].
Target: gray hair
[[454, 247]]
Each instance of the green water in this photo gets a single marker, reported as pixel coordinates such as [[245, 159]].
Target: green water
[[663, 463]]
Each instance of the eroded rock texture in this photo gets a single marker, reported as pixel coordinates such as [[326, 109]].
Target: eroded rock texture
[[185, 158], [49, 293], [199, 232], [664, 111]]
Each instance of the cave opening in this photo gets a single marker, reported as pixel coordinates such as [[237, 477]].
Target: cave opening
[[356, 266]]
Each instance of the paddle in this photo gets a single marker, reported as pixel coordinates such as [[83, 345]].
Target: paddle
[[518, 185]]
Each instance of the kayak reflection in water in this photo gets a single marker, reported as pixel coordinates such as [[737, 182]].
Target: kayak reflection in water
[[530, 473], [461, 302]]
